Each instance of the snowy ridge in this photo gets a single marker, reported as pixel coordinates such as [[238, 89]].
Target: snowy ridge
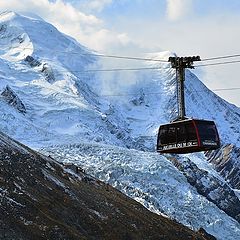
[[56, 99], [226, 162]]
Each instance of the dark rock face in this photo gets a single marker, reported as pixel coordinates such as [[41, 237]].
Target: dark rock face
[[48, 73], [12, 99], [209, 186], [205, 234], [226, 161], [3, 29], [42, 199], [32, 61], [45, 69]]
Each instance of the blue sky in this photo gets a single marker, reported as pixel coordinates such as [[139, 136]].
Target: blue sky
[[134, 27], [154, 9]]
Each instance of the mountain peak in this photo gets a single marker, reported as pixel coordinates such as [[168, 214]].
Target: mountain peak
[[11, 15], [8, 15], [22, 35], [30, 15]]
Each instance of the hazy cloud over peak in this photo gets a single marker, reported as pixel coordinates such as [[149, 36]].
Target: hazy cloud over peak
[[177, 9], [88, 29]]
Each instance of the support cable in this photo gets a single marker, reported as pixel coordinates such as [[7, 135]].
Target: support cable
[[221, 57], [218, 63]]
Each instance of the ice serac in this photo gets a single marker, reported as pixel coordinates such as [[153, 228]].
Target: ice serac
[[42, 199]]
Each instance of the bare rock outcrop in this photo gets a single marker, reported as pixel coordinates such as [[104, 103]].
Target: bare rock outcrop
[[12, 99]]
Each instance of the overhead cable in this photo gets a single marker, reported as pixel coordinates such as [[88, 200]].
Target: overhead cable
[[157, 93], [131, 57], [128, 57], [136, 94], [104, 55], [113, 69], [221, 57], [218, 63]]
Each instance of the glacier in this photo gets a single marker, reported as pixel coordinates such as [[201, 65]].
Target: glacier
[[153, 181]]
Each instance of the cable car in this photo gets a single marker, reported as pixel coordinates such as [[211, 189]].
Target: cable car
[[185, 135], [189, 135]]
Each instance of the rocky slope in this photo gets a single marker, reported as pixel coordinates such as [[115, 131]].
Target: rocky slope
[[42, 199], [213, 188], [13, 100], [227, 162]]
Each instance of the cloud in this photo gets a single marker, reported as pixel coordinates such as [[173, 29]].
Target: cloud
[[54, 11], [209, 36], [177, 9], [97, 4], [86, 28]]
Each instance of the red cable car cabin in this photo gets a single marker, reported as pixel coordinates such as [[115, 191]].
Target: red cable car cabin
[[185, 136]]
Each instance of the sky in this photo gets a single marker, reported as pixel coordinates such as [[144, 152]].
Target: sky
[[208, 28]]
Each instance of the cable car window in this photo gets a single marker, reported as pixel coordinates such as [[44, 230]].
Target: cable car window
[[181, 133], [171, 135], [163, 134], [191, 131], [207, 131]]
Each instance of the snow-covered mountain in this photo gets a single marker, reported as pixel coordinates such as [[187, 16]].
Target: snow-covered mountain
[[50, 74], [51, 100]]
